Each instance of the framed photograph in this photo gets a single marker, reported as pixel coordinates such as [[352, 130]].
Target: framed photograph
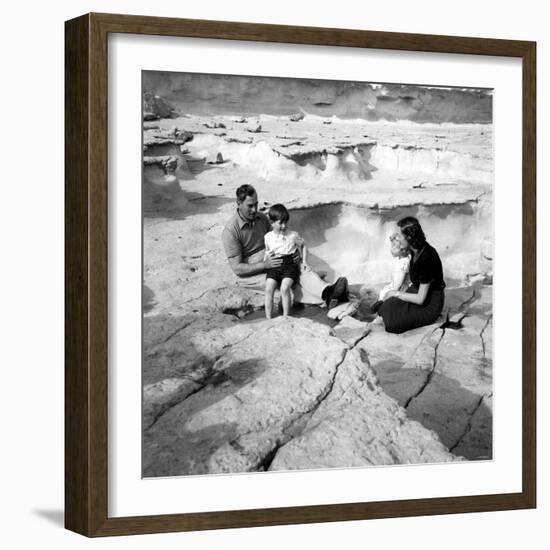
[[300, 275]]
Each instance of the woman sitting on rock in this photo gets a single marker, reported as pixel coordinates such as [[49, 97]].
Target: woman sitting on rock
[[422, 303]]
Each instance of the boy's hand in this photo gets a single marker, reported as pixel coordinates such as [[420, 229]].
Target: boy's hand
[[296, 257]]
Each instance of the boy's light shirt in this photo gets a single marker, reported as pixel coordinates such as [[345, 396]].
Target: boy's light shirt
[[282, 243]]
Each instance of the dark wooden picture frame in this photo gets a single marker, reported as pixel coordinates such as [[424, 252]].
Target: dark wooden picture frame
[[86, 280]]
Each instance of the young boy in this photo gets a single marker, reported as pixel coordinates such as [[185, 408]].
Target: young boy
[[282, 242]]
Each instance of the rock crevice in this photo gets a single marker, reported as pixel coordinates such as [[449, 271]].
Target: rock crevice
[[430, 372], [468, 427]]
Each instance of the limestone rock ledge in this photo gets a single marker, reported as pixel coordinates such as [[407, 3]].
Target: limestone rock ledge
[[359, 425], [223, 395], [441, 374]]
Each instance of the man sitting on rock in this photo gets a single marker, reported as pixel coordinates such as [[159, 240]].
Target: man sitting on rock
[[243, 242]]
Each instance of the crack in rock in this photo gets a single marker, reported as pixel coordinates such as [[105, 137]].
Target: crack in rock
[[430, 373], [175, 332], [417, 347], [290, 429], [199, 256], [201, 384], [266, 462], [195, 298], [468, 426], [209, 378], [479, 196], [481, 334], [468, 301], [162, 410]]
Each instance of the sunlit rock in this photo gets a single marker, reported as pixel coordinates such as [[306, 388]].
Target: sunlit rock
[[248, 395]]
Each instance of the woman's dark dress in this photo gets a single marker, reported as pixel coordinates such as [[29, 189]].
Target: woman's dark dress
[[400, 316]]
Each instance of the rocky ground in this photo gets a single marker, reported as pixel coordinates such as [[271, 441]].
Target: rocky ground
[[225, 390]]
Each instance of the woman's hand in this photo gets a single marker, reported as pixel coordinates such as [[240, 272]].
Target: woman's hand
[[391, 294]]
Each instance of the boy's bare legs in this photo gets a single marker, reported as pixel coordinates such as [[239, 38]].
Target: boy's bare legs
[[270, 286], [286, 285]]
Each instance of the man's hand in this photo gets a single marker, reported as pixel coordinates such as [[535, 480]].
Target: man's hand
[[272, 261]]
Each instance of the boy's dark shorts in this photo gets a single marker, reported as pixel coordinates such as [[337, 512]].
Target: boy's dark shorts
[[288, 269]]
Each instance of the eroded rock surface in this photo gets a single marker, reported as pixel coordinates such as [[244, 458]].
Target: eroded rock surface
[[358, 424], [226, 396], [442, 376]]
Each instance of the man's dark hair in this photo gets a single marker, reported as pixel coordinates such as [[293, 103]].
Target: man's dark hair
[[245, 191], [278, 213], [411, 230]]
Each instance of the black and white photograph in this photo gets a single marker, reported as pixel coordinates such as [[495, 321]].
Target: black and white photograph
[[317, 274]]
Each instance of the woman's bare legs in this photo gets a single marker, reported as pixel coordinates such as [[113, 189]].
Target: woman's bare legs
[[270, 286], [286, 285]]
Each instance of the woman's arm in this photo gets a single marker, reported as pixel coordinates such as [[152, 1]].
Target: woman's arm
[[417, 298]]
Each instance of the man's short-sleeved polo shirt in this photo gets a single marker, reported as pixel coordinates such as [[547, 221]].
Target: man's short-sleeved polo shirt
[[243, 237]]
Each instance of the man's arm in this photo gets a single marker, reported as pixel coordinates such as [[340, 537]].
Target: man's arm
[[233, 251]]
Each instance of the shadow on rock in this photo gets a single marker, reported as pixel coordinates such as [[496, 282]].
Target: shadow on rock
[[313, 223], [173, 367], [466, 299], [196, 166], [196, 436], [189, 454], [148, 299], [321, 266], [459, 416], [169, 201]]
